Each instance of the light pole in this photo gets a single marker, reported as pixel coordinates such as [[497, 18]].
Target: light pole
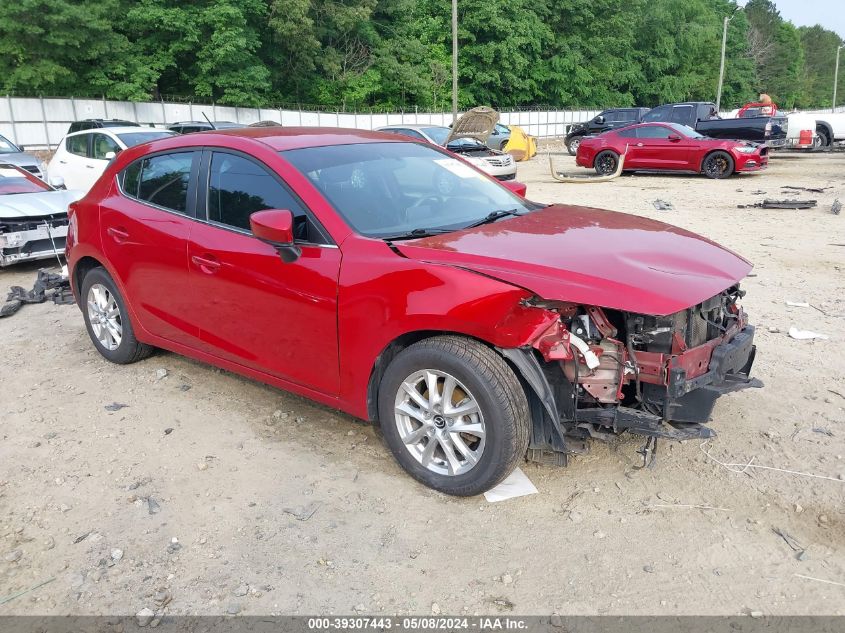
[[836, 77], [728, 18], [454, 61]]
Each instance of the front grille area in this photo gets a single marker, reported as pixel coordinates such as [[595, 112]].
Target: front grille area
[[28, 224], [694, 326], [500, 161]]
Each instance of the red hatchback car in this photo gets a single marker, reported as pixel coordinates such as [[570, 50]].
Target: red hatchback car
[[390, 279], [669, 147]]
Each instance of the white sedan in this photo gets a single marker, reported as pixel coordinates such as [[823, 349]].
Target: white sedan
[[82, 156]]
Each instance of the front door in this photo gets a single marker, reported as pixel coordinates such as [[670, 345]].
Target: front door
[[252, 308], [145, 229], [655, 150]]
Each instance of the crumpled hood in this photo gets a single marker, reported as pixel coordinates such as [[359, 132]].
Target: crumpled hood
[[591, 256], [33, 205]]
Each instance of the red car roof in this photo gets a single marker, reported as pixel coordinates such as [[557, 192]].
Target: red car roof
[[284, 138]]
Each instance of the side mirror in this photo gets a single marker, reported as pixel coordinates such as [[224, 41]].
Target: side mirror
[[57, 182], [598, 120], [275, 226], [674, 138], [519, 188], [109, 155]]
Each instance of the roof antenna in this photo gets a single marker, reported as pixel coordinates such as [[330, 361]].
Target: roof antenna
[[213, 127]]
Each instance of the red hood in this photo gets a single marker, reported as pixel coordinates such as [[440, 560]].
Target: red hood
[[593, 257]]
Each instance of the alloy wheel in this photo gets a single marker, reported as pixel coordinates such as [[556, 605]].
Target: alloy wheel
[[440, 422], [104, 317]]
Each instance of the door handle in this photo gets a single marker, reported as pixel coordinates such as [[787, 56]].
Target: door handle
[[118, 235], [639, 144], [89, 166], [63, 162], [206, 263]]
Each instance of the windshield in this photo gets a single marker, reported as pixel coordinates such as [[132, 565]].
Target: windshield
[[15, 181], [686, 130], [130, 139], [437, 134], [389, 189], [7, 147]]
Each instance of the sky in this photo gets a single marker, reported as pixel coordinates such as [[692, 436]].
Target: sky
[[829, 13]]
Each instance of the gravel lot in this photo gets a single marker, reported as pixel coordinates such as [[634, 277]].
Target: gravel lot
[[209, 493]]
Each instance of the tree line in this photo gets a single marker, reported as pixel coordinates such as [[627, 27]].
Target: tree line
[[396, 53]]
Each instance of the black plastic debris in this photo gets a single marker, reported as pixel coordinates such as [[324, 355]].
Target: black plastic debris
[[780, 204], [47, 286]]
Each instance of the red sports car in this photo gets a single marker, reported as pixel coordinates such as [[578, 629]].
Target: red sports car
[[669, 147], [392, 280]]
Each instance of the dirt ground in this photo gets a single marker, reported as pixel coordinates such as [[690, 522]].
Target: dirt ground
[[212, 494]]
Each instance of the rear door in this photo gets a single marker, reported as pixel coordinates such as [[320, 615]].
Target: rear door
[[252, 308], [145, 223], [70, 162]]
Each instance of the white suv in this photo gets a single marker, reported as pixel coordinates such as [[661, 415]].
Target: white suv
[[82, 157]]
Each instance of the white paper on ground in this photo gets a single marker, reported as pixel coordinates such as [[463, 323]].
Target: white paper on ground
[[798, 304], [805, 335], [517, 484]]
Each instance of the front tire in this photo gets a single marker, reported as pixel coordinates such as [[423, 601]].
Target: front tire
[[717, 165], [454, 415], [606, 162], [572, 145], [107, 320]]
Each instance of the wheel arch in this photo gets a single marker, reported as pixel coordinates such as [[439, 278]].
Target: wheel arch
[[80, 269], [714, 151], [828, 128], [542, 404]]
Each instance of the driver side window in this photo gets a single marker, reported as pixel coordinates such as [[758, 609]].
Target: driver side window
[[653, 131], [101, 145], [238, 187]]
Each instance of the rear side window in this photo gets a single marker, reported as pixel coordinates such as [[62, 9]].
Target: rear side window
[[682, 114], [239, 187], [658, 114], [653, 131], [160, 180], [77, 144], [628, 115]]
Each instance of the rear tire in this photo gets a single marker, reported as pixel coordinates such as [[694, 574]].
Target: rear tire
[[717, 165], [107, 320], [472, 433], [824, 137], [606, 162]]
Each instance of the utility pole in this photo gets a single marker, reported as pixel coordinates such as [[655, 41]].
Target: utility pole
[[722, 65], [454, 61], [836, 78]]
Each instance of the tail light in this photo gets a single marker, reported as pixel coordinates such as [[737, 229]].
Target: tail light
[[768, 128]]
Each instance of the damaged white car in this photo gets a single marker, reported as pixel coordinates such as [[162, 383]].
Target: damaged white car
[[33, 216]]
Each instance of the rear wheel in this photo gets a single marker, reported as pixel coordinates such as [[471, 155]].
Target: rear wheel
[[718, 165], [454, 415], [823, 136], [107, 320], [606, 162]]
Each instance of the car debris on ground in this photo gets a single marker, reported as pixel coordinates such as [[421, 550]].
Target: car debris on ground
[[836, 207], [780, 204], [55, 286], [662, 205]]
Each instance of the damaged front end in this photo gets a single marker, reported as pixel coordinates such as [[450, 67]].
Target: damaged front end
[[599, 372], [26, 239]]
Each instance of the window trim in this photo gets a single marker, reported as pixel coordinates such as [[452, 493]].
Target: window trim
[[191, 201], [85, 133], [202, 196]]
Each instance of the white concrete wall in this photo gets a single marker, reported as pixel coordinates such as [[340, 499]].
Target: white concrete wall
[[39, 123]]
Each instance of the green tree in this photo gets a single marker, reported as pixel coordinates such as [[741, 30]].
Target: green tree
[[819, 46]]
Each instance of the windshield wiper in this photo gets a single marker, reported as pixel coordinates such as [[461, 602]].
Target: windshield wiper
[[414, 233], [493, 216]]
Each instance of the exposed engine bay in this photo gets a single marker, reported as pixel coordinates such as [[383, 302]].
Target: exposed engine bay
[[609, 371]]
